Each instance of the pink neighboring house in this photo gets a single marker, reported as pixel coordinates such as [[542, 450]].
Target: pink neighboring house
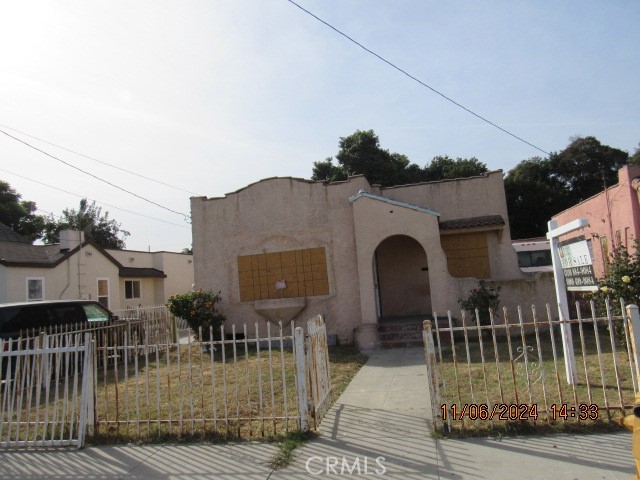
[[613, 215]]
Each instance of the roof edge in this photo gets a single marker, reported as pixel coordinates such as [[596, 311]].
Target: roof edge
[[398, 203]]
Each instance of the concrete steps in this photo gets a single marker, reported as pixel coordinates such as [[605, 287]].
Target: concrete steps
[[400, 332]]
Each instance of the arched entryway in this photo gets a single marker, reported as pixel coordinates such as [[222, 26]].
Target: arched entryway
[[401, 273]]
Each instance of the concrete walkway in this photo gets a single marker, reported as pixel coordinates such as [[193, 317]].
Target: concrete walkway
[[381, 414]]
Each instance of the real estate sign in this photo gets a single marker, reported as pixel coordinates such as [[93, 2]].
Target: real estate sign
[[577, 265]]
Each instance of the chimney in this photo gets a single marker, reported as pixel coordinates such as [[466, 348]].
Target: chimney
[[70, 239]]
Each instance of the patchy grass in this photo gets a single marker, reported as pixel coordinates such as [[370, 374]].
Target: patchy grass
[[191, 395], [469, 381], [285, 455]]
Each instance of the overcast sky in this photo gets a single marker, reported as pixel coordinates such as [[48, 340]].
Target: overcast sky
[[209, 96]]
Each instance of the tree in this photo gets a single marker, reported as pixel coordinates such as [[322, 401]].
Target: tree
[[586, 166], [187, 251], [443, 167], [538, 188], [534, 194], [635, 158], [325, 170], [361, 153], [88, 218], [19, 214]]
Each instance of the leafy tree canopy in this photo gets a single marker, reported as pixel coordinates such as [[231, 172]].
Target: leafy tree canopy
[[99, 228], [635, 158], [444, 167], [361, 153], [19, 214], [586, 166], [538, 188]]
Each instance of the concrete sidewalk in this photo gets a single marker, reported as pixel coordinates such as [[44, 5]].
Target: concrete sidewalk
[[383, 413]]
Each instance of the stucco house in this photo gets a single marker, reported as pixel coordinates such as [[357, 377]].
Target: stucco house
[[290, 248], [613, 215], [79, 269]]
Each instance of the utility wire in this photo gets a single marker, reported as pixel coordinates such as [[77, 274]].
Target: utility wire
[[449, 99], [96, 160], [95, 176], [82, 196]]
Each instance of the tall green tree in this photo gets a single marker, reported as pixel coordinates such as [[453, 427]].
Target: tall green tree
[[539, 188], [586, 166], [19, 214], [99, 228], [443, 167], [361, 153], [534, 194]]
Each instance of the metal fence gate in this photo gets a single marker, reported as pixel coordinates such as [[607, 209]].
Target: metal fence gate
[[46, 390], [318, 368]]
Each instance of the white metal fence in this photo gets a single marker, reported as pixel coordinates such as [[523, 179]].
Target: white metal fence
[[46, 395], [253, 383], [513, 370]]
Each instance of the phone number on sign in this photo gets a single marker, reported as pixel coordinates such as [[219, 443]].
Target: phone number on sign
[[512, 412]]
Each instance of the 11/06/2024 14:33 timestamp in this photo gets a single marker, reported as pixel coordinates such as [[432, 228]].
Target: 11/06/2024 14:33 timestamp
[[514, 412]]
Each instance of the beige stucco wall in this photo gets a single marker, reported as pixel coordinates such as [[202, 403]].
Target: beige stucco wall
[[278, 215], [466, 198], [374, 222], [282, 214]]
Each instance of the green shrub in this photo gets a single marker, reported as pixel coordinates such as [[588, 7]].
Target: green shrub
[[484, 297], [200, 309], [621, 281]]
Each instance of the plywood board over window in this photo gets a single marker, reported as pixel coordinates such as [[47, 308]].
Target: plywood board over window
[[467, 254], [293, 273]]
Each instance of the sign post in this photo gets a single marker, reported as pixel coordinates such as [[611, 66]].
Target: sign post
[[561, 291]]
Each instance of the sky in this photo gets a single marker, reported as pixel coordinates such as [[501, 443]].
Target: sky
[[206, 97]]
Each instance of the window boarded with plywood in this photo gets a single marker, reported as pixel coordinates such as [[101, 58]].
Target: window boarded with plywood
[[294, 273], [467, 254]]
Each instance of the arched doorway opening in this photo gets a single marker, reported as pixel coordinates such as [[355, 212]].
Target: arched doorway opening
[[401, 273]]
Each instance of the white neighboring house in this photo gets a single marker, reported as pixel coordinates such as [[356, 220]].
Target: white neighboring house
[[534, 254], [79, 269]]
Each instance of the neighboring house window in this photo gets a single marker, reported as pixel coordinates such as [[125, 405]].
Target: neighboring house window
[[535, 258], [103, 291], [131, 289], [35, 289]]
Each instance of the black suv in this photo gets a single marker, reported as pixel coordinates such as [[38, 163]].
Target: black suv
[[44, 316], [15, 317]]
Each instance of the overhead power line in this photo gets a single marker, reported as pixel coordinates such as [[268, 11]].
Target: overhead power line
[[95, 176], [96, 160], [404, 72], [82, 196]]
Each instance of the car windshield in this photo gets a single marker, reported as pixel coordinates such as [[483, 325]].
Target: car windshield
[[95, 313]]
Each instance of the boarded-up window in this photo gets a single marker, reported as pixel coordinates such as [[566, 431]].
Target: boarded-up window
[[467, 255], [303, 273]]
